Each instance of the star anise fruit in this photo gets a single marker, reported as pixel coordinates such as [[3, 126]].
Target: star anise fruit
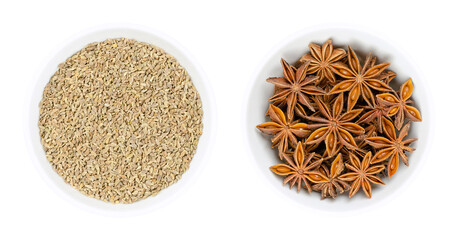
[[294, 88], [386, 76], [375, 113], [362, 146], [369, 131], [284, 130], [359, 80], [362, 174], [322, 59], [299, 169], [333, 184], [392, 147], [397, 104], [334, 127]]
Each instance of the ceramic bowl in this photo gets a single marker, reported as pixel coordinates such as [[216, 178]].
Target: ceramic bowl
[[291, 49], [144, 35]]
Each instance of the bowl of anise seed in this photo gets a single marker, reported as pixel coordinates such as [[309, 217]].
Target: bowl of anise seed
[[337, 119], [120, 120]]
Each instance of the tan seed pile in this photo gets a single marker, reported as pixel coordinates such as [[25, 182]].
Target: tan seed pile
[[120, 120]]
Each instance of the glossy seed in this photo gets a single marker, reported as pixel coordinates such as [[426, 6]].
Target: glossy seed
[[393, 111]]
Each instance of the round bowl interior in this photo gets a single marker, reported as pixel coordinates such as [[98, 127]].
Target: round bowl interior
[[291, 50], [144, 35]]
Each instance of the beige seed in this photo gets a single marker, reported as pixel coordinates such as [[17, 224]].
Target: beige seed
[[120, 120]]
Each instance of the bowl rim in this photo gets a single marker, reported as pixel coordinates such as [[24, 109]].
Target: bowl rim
[[245, 108], [165, 196]]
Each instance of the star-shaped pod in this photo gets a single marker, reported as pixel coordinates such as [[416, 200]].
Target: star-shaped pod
[[322, 59], [333, 127], [359, 80], [392, 147], [397, 104], [294, 88], [333, 184], [300, 170], [284, 130], [375, 113], [362, 174]]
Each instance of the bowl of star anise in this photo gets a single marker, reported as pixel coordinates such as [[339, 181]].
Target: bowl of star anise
[[337, 115]]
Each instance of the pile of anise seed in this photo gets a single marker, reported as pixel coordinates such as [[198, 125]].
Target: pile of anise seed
[[336, 122]]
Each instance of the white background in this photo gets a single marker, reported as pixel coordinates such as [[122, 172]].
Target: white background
[[228, 200]]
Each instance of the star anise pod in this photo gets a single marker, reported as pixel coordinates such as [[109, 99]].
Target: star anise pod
[[375, 113], [397, 104], [362, 174], [392, 147], [362, 146], [328, 188], [322, 59], [334, 127], [386, 76], [294, 88], [306, 149], [359, 80], [299, 169], [284, 130], [369, 131]]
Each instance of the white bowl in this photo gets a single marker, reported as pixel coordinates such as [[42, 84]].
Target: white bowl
[[291, 49], [144, 35]]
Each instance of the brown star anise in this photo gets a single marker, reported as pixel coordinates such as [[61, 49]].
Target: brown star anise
[[397, 104], [328, 188], [322, 59], [362, 174], [392, 147], [295, 87], [359, 80], [284, 130], [369, 131], [386, 76], [334, 127], [362, 146], [375, 113], [300, 170]]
